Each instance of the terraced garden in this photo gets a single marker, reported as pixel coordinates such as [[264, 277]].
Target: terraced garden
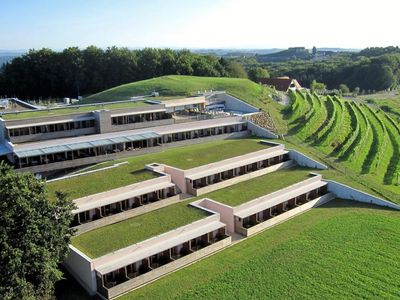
[[361, 136]]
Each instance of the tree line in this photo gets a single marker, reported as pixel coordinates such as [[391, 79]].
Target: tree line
[[363, 70], [72, 72]]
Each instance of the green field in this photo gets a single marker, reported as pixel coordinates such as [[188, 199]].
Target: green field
[[343, 250], [109, 238], [248, 190], [356, 138], [70, 110], [184, 157]]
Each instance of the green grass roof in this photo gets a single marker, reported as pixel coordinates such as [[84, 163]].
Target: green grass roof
[[70, 110], [259, 186], [183, 157], [107, 239]]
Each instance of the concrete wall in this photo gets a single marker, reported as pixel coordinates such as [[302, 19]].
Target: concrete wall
[[103, 120], [81, 267], [126, 214], [233, 103], [168, 268], [225, 211], [349, 193], [286, 215], [261, 132], [177, 176], [306, 161]]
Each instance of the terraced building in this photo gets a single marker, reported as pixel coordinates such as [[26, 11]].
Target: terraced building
[[159, 225]]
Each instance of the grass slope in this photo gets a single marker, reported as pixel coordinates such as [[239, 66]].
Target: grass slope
[[324, 253]]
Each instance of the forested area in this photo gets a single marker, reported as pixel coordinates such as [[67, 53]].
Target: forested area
[[372, 69], [46, 73]]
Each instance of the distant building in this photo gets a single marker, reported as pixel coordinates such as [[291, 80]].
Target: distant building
[[282, 83]]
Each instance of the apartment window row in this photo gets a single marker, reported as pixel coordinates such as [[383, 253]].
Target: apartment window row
[[146, 265], [283, 207], [121, 206], [50, 128], [130, 119]]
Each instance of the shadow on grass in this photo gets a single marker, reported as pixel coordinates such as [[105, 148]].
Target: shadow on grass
[[343, 203]]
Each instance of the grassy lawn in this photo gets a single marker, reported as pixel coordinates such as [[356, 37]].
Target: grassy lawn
[[107, 239], [257, 187], [97, 182], [71, 110], [343, 250], [184, 157]]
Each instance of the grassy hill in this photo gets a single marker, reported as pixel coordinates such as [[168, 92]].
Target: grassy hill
[[179, 85]]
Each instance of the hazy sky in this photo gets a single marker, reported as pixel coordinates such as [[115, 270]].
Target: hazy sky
[[199, 24]]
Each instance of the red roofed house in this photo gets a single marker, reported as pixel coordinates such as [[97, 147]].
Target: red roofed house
[[281, 83]]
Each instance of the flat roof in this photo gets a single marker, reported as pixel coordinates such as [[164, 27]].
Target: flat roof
[[144, 111], [183, 235], [234, 162], [184, 101], [110, 238], [262, 203], [180, 127], [84, 145], [73, 109], [115, 195], [246, 191], [49, 122]]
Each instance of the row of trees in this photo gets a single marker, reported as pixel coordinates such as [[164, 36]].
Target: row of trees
[[46, 73]]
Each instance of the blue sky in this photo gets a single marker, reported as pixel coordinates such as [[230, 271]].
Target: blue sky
[[198, 24]]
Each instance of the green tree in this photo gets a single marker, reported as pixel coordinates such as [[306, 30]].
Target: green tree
[[317, 86], [344, 89], [314, 51], [34, 236], [256, 73], [236, 70]]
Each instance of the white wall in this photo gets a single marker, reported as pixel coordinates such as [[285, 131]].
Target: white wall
[[233, 103], [259, 131], [81, 267], [306, 161], [345, 192]]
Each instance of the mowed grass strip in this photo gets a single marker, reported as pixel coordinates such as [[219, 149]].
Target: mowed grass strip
[[70, 110], [184, 157], [342, 250], [110, 238], [248, 190]]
